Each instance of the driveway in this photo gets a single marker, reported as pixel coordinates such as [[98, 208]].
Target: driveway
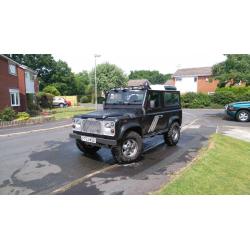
[[42, 159]]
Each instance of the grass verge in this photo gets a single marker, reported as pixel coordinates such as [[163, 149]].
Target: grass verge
[[65, 113], [222, 168]]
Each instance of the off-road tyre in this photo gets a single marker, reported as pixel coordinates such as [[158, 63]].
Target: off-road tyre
[[88, 149], [121, 151], [172, 137]]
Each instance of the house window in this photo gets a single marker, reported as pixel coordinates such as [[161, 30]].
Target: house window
[[178, 79], [12, 69], [14, 98]]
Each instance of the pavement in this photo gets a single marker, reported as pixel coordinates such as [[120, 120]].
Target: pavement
[[42, 159]]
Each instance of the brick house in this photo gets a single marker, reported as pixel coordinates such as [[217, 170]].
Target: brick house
[[198, 80], [17, 82]]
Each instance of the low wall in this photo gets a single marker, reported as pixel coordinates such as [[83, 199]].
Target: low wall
[[33, 120]]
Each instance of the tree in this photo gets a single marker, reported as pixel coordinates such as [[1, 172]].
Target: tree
[[82, 81], [62, 74], [234, 69], [108, 76], [51, 90], [155, 77]]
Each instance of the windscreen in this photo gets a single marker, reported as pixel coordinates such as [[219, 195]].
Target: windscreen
[[126, 96]]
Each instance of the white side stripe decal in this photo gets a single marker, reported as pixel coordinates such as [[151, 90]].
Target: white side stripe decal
[[154, 123]]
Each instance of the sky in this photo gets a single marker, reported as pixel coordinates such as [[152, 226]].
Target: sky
[[162, 62], [133, 34]]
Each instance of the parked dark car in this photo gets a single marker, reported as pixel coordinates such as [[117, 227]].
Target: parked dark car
[[239, 111], [129, 115]]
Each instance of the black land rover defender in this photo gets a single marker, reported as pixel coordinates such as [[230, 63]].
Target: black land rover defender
[[129, 115]]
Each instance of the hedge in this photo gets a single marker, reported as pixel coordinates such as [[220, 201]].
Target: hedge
[[220, 98]]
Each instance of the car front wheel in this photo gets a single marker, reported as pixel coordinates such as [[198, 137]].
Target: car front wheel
[[243, 116], [86, 148], [129, 149], [173, 135]]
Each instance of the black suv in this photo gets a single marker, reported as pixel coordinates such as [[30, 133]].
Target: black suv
[[129, 115]]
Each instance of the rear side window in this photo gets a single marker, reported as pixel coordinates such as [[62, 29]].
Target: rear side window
[[171, 99], [154, 100]]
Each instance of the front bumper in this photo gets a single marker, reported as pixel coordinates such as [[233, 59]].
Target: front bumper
[[229, 113], [99, 141]]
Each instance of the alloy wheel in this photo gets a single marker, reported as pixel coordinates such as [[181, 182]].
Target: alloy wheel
[[130, 148]]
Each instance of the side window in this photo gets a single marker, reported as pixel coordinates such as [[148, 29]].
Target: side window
[[171, 99], [154, 100]]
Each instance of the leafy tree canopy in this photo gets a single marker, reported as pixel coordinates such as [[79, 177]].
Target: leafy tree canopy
[[82, 81], [235, 68], [155, 77], [51, 90], [108, 76]]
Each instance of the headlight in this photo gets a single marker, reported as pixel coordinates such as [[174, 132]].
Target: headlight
[[230, 108], [109, 124], [76, 124], [108, 128]]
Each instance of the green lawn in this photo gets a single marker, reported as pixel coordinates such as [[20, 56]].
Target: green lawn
[[64, 113], [222, 168]]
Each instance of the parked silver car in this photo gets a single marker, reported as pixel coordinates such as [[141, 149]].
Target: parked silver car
[[59, 102]]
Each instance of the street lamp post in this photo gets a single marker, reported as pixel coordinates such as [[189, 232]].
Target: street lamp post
[[96, 82]]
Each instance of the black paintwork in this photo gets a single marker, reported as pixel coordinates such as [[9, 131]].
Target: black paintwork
[[137, 117]]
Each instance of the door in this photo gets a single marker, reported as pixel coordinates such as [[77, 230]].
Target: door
[[171, 104], [154, 118]]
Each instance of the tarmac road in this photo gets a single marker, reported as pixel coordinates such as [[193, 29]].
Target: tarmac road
[[42, 159]]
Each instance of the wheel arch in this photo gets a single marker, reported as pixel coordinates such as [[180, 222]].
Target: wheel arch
[[175, 118], [130, 127]]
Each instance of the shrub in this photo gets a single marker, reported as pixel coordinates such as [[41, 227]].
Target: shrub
[[45, 100], [22, 116], [84, 99], [33, 109], [194, 100], [51, 90], [224, 97], [8, 114]]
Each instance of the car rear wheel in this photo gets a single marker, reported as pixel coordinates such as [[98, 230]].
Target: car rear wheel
[[129, 149], [86, 148], [243, 116], [173, 135], [61, 105]]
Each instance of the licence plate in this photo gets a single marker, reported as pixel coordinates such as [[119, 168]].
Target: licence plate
[[88, 139]]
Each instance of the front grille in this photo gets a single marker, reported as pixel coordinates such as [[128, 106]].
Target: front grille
[[91, 126]]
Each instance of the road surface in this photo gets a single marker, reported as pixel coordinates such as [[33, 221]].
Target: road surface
[[42, 159]]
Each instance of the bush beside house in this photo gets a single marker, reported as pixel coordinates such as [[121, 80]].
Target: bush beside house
[[45, 100]]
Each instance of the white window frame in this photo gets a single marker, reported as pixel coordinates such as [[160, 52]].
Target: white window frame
[[16, 94], [9, 68]]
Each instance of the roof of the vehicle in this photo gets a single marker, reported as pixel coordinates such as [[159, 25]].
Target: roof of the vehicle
[[153, 87]]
